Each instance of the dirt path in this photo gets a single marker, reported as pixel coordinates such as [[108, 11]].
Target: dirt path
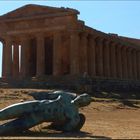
[[103, 119]]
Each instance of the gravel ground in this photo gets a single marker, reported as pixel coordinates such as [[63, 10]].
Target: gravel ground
[[105, 119]]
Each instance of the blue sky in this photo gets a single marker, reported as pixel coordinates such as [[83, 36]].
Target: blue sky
[[120, 17]]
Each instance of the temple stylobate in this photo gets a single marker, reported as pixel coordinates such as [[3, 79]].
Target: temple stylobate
[[40, 40]]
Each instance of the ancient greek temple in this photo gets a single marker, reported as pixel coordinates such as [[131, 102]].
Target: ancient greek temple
[[41, 40]]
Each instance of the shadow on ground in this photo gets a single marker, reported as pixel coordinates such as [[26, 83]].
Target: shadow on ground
[[125, 98], [129, 103], [117, 94], [56, 135]]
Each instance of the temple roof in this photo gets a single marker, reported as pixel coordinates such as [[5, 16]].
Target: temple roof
[[32, 10]]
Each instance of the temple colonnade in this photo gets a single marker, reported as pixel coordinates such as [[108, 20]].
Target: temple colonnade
[[98, 56]]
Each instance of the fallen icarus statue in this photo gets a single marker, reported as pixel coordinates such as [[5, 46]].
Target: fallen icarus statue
[[59, 108]]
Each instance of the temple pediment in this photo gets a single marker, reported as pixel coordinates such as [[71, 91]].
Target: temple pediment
[[32, 10]]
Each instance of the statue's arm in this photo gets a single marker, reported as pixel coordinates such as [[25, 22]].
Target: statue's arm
[[51, 95], [19, 109], [44, 95], [73, 120]]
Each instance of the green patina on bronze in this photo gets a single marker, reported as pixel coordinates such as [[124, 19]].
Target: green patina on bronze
[[60, 108]]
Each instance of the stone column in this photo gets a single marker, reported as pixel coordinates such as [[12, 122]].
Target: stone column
[[124, 63], [57, 44], [74, 53], [92, 58], [119, 61], [99, 54], [106, 59], [138, 64], [129, 59], [3, 60], [83, 53], [15, 60], [40, 62], [25, 44], [113, 59], [8, 57], [134, 64]]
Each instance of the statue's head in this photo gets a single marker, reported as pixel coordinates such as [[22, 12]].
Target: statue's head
[[82, 100]]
